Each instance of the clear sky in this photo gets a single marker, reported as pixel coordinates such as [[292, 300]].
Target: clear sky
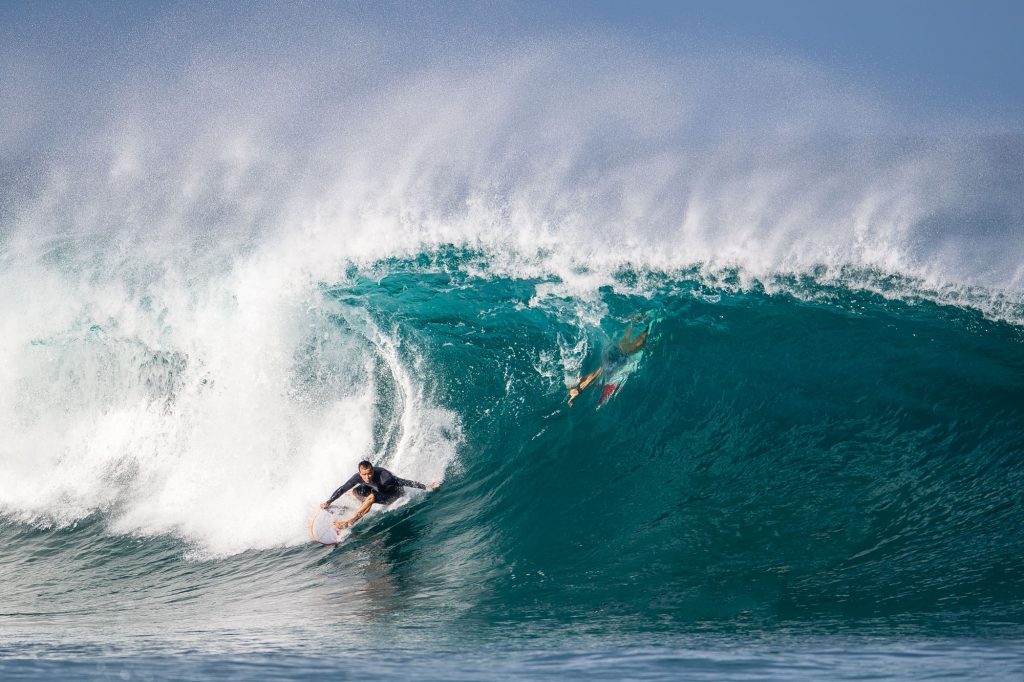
[[956, 55]]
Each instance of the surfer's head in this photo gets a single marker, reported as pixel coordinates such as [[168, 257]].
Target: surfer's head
[[365, 471]]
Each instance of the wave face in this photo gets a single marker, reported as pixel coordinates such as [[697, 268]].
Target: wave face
[[824, 459], [231, 279], [785, 457]]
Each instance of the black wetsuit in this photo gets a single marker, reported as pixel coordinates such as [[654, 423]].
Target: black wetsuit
[[384, 486]]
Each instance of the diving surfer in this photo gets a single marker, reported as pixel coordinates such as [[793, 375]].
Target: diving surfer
[[612, 358], [371, 486]]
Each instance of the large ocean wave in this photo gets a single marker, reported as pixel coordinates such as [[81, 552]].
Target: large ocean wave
[[775, 456], [228, 282]]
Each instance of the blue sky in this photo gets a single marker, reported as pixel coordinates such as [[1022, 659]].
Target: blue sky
[[958, 57]]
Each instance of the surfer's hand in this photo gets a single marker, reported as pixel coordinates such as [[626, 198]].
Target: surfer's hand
[[433, 485], [323, 505]]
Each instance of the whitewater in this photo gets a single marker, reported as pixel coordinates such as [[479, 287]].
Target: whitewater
[[225, 282]]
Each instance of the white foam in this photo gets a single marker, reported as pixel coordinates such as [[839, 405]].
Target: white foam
[[195, 414], [195, 216]]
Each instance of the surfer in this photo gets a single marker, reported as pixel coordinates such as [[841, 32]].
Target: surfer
[[613, 357], [371, 486]]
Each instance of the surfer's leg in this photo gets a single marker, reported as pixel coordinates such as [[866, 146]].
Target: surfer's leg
[[358, 515], [587, 380], [575, 391], [367, 503]]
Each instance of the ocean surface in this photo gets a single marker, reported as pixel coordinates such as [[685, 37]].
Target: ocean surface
[[253, 257], [818, 481]]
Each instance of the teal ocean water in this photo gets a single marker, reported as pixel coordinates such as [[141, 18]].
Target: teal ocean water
[[244, 248], [818, 481]]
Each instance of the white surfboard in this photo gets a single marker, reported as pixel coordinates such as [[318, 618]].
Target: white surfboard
[[322, 528]]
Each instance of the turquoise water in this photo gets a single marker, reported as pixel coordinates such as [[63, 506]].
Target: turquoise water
[[820, 481], [243, 248]]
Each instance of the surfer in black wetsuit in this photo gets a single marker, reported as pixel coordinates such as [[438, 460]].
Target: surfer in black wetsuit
[[612, 359], [372, 486]]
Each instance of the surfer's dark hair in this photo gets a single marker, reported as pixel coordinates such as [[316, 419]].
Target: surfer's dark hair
[[365, 464]]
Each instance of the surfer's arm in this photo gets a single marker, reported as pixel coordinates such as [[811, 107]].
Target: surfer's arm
[[345, 487], [395, 480]]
